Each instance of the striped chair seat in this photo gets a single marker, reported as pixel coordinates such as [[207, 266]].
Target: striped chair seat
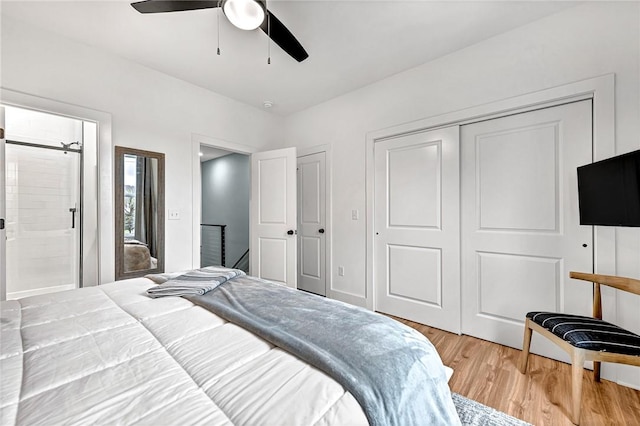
[[588, 333]]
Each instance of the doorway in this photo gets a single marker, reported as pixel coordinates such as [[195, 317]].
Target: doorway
[[43, 185], [276, 264], [279, 268], [224, 227]]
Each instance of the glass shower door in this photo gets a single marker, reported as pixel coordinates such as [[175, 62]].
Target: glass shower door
[[42, 219]]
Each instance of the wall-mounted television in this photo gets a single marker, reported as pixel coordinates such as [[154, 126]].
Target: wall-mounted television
[[609, 191]]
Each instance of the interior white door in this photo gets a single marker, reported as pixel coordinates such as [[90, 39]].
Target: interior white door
[[3, 214], [520, 227], [312, 223], [273, 216], [417, 227]]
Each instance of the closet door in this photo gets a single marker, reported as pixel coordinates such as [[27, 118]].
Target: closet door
[[417, 228], [520, 227], [312, 239]]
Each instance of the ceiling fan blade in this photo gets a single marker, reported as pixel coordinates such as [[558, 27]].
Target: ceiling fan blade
[[159, 6], [283, 38]]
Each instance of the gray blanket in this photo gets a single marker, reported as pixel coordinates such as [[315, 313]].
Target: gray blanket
[[393, 371]]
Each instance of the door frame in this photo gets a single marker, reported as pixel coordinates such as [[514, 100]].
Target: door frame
[[196, 176], [196, 197], [600, 89], [326, 148], [104, 257], [3, 213]]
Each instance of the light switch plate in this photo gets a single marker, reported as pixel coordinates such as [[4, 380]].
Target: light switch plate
[[174, 215]]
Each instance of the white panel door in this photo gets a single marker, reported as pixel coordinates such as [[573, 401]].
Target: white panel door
[[417, 227], [273, 216], [3, 214], [520, 227], [312, 222]]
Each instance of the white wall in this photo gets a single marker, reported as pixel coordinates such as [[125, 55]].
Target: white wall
[[582, 42], [149, 110]]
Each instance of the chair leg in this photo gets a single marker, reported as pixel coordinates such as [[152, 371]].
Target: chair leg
[[577, 369], [596, 371], [526, 344]]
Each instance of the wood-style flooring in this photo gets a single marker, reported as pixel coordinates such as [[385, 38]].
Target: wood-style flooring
[[488, 373]]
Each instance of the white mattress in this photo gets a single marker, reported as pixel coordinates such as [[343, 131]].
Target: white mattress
[[111, 355]]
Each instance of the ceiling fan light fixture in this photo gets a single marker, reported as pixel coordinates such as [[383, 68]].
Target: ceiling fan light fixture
[[245, 14]]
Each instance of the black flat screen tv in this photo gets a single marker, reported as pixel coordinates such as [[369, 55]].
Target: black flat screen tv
[[609, 191]]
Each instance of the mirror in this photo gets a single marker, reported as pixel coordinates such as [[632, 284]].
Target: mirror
[[139, 191]]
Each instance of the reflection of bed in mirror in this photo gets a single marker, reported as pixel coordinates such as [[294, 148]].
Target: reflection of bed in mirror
[[137, 256]]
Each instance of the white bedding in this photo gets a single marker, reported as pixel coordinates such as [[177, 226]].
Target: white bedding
[[112, 355]]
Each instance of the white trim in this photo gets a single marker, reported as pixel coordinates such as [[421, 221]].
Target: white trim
[[196, 195], [3, 213], [583, 89], [104, 151], [222, 144], [628, 384], [326, 148], [38, 291], [303, 152], [601, 89]]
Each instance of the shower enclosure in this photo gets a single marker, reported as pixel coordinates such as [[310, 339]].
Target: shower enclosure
[[43, 183]]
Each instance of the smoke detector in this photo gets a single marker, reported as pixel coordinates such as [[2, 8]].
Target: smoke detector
[[267, 104]]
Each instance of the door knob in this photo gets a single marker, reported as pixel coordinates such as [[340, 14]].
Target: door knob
[[321, 230], [290, 232]]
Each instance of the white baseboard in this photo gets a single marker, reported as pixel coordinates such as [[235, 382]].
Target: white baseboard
[[347, 298], [39, 291], [629, 385]]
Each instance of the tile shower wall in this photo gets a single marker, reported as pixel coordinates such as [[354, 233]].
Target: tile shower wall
[[41, 185], [42, 247]]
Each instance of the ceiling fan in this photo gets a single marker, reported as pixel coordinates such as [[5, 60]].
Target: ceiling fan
[[244, 14]]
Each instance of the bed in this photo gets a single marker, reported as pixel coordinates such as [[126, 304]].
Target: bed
[[137, 256], [113, 355]]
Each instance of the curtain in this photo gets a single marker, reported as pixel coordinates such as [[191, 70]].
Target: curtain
[[146, 201]]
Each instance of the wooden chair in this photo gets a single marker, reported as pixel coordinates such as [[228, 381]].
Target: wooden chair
[[586, 338]]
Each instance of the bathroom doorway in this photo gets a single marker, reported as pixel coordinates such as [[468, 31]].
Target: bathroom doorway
[[44, 186]]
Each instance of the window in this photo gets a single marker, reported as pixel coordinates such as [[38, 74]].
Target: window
[[130, 180]]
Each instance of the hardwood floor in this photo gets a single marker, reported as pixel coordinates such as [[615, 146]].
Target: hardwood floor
[[488, 373]]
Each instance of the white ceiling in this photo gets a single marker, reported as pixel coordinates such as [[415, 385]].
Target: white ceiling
[[350, 43]]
